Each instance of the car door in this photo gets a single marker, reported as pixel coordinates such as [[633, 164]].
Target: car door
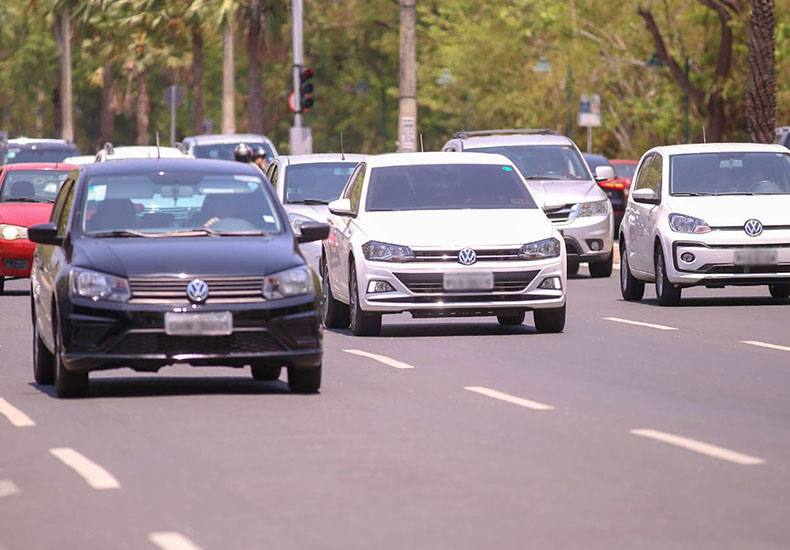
[[341, 231], [638, 244]]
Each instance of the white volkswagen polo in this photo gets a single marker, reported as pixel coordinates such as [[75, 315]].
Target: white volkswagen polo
[[439, 235], [707, 215]]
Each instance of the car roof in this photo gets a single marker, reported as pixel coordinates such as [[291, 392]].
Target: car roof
[[43, 143], [186, 164], [503, 140], [693, 148], [40, 166], [144, 151], [209, 139], [593, 156], [318, 158], [417, 159]]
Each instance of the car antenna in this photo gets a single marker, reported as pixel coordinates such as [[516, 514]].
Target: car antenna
[[422, 149], [342, 152], [158, 155]]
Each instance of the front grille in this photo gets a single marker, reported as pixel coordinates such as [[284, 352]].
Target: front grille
[[561, 215], [156, 343], [173, 290], [433, 283], [490, 255]]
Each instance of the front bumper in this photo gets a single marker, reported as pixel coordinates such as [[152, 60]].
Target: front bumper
[[16, 257], [588, 239]]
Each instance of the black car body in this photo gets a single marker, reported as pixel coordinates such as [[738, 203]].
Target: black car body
[[110, 293], [614, 188], [19, 150]]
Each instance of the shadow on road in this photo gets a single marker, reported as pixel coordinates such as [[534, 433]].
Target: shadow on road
[[15, 293], [439, 329], [730, 301]]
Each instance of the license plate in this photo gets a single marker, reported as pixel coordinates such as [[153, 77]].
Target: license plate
[[459, 282], [199, 324], [755, 256]]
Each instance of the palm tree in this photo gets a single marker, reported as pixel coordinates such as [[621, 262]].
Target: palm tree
[[62, 11], [255, 83], [761, 88]]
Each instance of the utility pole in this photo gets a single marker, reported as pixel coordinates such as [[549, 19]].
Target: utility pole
[[407, 116], [67, 107], [228, 76], [301, 138]]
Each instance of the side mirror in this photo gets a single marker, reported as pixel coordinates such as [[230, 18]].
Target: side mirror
[[44, 233], [603, 173], [342, 207], [313, 232], [645, 195]]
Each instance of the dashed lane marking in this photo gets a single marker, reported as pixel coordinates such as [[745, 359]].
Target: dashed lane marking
[[380, 358], [700, 447], [8, 488], [96, 476], [512, 399], [765, 345], [170, 540], [14, 415], [638, 323]]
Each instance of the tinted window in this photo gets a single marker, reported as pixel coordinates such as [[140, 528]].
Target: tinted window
[[32, 185], [226, 151], [730, 174], [644, 171], [545, 162], [624, 171], [653, 180], [446, 187], [354, 190], [63, 217], [594, 161], [321, 181], [15, 155]]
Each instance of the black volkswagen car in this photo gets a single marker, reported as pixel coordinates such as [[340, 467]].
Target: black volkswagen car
[[147, 263]]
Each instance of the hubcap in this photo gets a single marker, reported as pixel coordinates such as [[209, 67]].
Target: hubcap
[[660, 275], [623, 269], [353, 298]]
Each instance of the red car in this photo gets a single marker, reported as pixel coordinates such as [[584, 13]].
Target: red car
[[624, 170], [27, 192]]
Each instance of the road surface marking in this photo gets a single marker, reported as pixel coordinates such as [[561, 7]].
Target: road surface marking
[[379, 358], [509, 398], [700, 447], [765, 345], [8, 488], [170, 540], [14, 415], [96, 476], [638, 323]]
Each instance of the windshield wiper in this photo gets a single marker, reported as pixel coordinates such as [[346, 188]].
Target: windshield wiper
[[22, 199], [547, 178], [309, 201], [120, 233]]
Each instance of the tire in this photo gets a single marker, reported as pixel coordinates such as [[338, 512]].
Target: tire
[[550, 320], [602, 269], [780, 291], [43, 360], [265, 373], [631, 288], [2, 284], [666, 293], [362, 323], [304, 380], [511, 320], [67, 383], [335, 313]]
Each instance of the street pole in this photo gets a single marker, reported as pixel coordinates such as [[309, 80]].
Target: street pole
[[298, 37], [172, 116], [407, 105], [688, 129], [570, 102]]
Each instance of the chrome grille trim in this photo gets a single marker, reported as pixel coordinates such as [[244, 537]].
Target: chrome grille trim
[[492, 255], [433, 283], [561, 215], [173, 290]]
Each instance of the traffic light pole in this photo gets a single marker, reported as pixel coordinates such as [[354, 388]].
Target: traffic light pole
[[298, 39], [407, 115]]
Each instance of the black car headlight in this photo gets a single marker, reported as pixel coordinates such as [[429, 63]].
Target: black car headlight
[[384, 252], [296, 281], [540, 250], [84, 283]]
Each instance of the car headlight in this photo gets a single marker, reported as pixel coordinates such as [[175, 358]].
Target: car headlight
[[98, 286], [680, 223], [12, 232], [383, 252], [597, 208], [296, 281], [540, 250], [297, 220]]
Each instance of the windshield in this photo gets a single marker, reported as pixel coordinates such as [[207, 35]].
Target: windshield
[[543, 162], [32, 185], [446, 187], [226, 151], [16, 155], [172, 204], [320, 181], [624, 170], [730, 174]]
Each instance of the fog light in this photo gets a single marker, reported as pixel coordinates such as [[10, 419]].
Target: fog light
[[551, 283], [688, 257], [595, 244], [379, 286]]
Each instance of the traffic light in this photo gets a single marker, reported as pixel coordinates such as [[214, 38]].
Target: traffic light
[[305, 89]]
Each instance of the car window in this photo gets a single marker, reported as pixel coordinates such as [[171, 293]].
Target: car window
[[644, 170], [14, 155], [653, 180], [353, 191], [57, 209], [544, 162], [227, 151], [730, 173], [65, 211], [32, 185], [321, 181], [624, 170]]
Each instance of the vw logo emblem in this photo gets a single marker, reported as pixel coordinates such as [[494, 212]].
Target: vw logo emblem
[[197, 291], [753, 228], [467, 256]]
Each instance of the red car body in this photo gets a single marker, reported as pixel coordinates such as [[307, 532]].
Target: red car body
[[16, 255]]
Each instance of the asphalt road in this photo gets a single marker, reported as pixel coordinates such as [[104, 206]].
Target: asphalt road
[[438, 435]]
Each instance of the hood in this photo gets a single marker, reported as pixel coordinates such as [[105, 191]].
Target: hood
[[457, 228], [195, 256], [734, 210], [25, 213], [317, 212], [560, 193]]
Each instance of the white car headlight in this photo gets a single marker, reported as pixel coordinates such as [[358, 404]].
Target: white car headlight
[[597, 208], [383, 252], [680, 223], [12, 232], [297, 220], [296, 281], [540, 250], [98, 286]]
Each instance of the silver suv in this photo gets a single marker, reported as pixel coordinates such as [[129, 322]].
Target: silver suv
[[561, 181]]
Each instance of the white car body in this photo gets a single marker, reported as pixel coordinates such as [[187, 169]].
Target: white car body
[[277, 172], [80, 159], [725, 249], [140, 152], [438, 238]]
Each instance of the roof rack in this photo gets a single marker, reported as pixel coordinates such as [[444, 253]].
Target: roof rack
[[503, 132]]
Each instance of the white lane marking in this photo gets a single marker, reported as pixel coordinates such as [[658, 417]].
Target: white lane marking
[[765, 345], [380, 358], [8, 488], [700, 447], [170, 540], [14, 415], [96, 476], [638, 323], [506, 397]]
